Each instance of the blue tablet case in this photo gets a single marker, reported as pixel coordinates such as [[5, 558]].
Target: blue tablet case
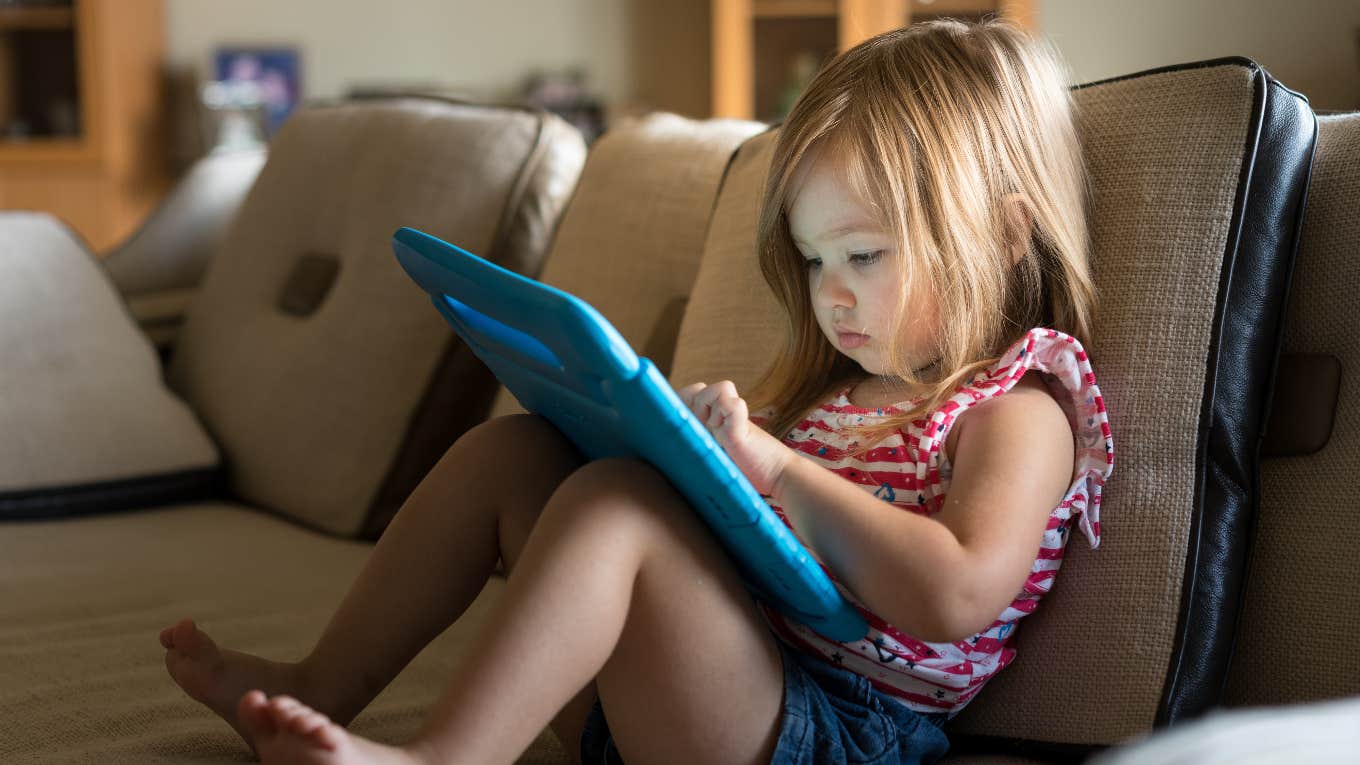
[[566, 363]]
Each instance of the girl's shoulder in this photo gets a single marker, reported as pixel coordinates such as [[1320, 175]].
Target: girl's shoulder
[[1043, 369], [1043, 364], [1032, 393]]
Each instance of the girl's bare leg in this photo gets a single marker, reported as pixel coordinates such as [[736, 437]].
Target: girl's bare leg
[[621, 582], [476, 505]]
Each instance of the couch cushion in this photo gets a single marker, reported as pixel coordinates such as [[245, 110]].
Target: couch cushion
[[630, 241], [333, 417], [82, 672], [87, 421], [1303, 569], [1198, 174]]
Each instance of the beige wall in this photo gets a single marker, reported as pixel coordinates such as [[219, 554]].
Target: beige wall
[[1312, 46], [655, 52], [650, 51]]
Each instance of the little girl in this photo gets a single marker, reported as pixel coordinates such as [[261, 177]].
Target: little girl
[[924, 229]]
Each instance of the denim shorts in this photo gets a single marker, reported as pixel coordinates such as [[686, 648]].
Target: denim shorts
[[831, 715]]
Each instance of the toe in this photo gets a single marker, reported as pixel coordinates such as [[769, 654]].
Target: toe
[[323, 733], [186, 637], [329, 736], [322, 736], [252, 712], [282, 709], [283, 702], [292, 715], [308, 722]]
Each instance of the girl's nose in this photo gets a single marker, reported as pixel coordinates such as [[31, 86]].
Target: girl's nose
[[833, 292]]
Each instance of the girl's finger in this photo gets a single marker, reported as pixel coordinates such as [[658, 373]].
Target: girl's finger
[[716, 418], [736, 413], [688, 393], [704, 404], [739, 411]]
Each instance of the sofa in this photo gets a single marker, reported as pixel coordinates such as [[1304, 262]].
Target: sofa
[[226, 443]]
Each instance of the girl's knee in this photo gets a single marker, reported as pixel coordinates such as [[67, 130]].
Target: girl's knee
[[623, 493], [523, 442], [624, 481], [510, 429]]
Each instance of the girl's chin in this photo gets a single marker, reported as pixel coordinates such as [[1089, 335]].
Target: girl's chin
[[869, 365]]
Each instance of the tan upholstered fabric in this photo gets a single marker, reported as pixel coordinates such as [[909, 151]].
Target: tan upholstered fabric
[[82, 673], [1165, 153], [81, 395], [1303, 588], [630, 240], [732, 328], [313, 411]]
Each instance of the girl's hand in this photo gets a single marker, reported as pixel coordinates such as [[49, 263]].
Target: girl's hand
[[759, 455]]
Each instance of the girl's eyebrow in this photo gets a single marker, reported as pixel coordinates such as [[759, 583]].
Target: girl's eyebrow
[[839, 231]]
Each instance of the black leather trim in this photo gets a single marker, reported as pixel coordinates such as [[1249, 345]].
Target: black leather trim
[[1248, 327], [111, 496]]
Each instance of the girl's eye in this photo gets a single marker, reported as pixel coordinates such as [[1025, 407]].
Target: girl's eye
[[812, 263], [866, 258]]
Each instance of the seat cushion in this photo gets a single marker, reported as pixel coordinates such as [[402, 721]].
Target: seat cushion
[[325, 374], [88, 424], [1198, 173], [1303, 569], [82, 673]]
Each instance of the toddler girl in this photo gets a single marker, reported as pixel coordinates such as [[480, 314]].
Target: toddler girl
[[924, 229]]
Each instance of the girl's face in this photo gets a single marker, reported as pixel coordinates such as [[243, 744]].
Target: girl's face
[[853, 274]]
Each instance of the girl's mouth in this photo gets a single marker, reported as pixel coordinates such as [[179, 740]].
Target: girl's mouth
[[850, 340]]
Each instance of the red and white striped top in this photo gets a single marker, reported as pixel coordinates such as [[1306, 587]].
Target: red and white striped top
[[910, 470]]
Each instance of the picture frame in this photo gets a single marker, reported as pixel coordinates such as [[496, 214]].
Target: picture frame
[[275, 72]]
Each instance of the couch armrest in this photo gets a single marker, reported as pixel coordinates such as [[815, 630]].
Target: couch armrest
[[88, 423], [157, 270], [172, 248]]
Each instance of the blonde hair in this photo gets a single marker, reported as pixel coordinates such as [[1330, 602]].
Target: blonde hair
[[934, 125]]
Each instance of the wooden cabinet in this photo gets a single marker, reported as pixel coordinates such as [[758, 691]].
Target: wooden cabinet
[[762, 49], [82, 117]]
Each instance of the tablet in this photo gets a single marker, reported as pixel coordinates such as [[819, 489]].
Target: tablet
[[566, 363]]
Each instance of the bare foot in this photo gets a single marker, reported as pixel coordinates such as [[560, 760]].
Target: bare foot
[[287, 731], [220, 677]]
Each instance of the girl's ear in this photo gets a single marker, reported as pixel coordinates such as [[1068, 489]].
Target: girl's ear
[[1019, 224]]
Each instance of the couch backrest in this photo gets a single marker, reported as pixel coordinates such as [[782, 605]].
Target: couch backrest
[[328, 379], [1199, 173], [630, 241], [1303, 590]]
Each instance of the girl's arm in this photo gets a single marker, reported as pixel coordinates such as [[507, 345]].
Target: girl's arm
[[941, 578]]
